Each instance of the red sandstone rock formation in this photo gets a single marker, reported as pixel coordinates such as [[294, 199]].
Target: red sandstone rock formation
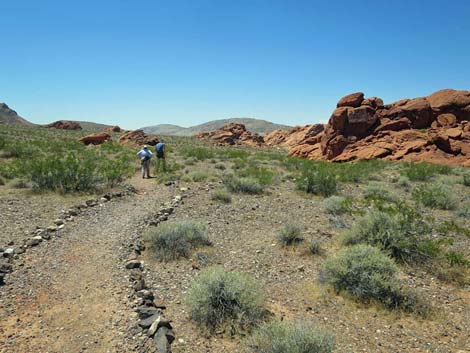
[[96, 139], [435, 128], [64, 125], [138, 138], [112, 129], [232, 134]]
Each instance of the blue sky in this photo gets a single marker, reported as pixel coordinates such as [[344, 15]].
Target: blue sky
[[138, 63]]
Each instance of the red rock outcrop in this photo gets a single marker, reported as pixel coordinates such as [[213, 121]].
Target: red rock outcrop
[[64, 125], [435, 128], [138, 138], [294, 136], [96, 139], [112, 129], [232, 134]]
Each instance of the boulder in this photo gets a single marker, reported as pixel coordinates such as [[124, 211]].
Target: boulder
[[351, 100], [138, 138], [95, 139], [233, 134], [64, 125]]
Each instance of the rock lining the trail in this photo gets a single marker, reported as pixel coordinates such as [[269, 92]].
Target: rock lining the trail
[[151, 315]]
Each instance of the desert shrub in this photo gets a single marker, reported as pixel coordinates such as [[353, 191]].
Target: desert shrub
[[20, 184], [220, 166], [377, 191], [435, 195], [337, 205], [457, 259], [289, 235], [221, 195], [403, 182], [198, 176], [171, 241], [466, 179], [401, 231], [191, 161], [292, 337], [218, 298], [424, 171], [243, 185], [321, 181], [315, 247], [199, 153], [364, 272], [464, 210], [263, 175], [2, 181]]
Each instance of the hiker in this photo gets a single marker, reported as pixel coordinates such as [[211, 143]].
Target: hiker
[[160, 149], [145, 154]]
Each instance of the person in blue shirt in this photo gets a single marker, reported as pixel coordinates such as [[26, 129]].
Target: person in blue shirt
[[160, 149], [145, 155]]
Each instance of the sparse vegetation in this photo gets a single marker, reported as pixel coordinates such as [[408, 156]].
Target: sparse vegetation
[[173, 240], [319, 181], [435, 195], [377, 192], [243, 185], [293, 337], [424, 171], [466, 179], [289, 235], [221, 195], [337, 205], [401, 231], [219, 298], [315, 247]]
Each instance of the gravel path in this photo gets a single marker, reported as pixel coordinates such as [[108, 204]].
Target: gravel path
[[70, 294]]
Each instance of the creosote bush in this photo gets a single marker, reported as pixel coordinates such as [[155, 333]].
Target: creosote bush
[[435, 195], [219, 298], [289, 235], [466, 179], [221, 195], [173, 240], [244, 185], [337, 205], [290, 337], [319, 181]]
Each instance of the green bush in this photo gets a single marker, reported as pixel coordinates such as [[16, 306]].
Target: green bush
[[401, 232], [244, 185], [290, 337], [466, 179], [424, 171], [263, 175], [289, 235], [220, 166], [337, 205], [464, 210], [221, 195], [435, 195], [218, 298], [403, 182], [170, 241], [364, 272], [198, 176], [2, 181], [315, 247], [321, 181], [199, 153], [377, 192]]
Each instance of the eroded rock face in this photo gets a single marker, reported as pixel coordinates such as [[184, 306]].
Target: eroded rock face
[[435, 128], [95, 139], [64, 125], [138, 138], [233, 134]]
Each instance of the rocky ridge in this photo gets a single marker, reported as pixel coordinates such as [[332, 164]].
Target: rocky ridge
[[435, 129], [233, 134]]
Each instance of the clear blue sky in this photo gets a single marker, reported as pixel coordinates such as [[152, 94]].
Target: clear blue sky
[[138, 63]]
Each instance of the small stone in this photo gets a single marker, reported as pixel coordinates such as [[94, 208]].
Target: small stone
[[58, 222], [9, 252], [145, 294], [5, 267], [139, 285], [33, 242], [154, 327], [146, 311], [147, 322], [133, 264], [51, 228]]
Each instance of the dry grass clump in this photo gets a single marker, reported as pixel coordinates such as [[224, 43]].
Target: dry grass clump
[[244, 185], [219, 298], [337, 205], [292, 337], [289, 235], [221, 195], [435, 195], [173, 240]]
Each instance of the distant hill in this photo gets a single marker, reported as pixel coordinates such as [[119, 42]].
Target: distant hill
[[9, 116], [254, 125], [92, 127]]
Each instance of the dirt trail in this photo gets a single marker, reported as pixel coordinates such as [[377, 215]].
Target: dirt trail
[[69, 294]]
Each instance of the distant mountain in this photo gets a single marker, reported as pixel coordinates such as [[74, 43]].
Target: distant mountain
[[9, 116], [92, 127], [254, 125]]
